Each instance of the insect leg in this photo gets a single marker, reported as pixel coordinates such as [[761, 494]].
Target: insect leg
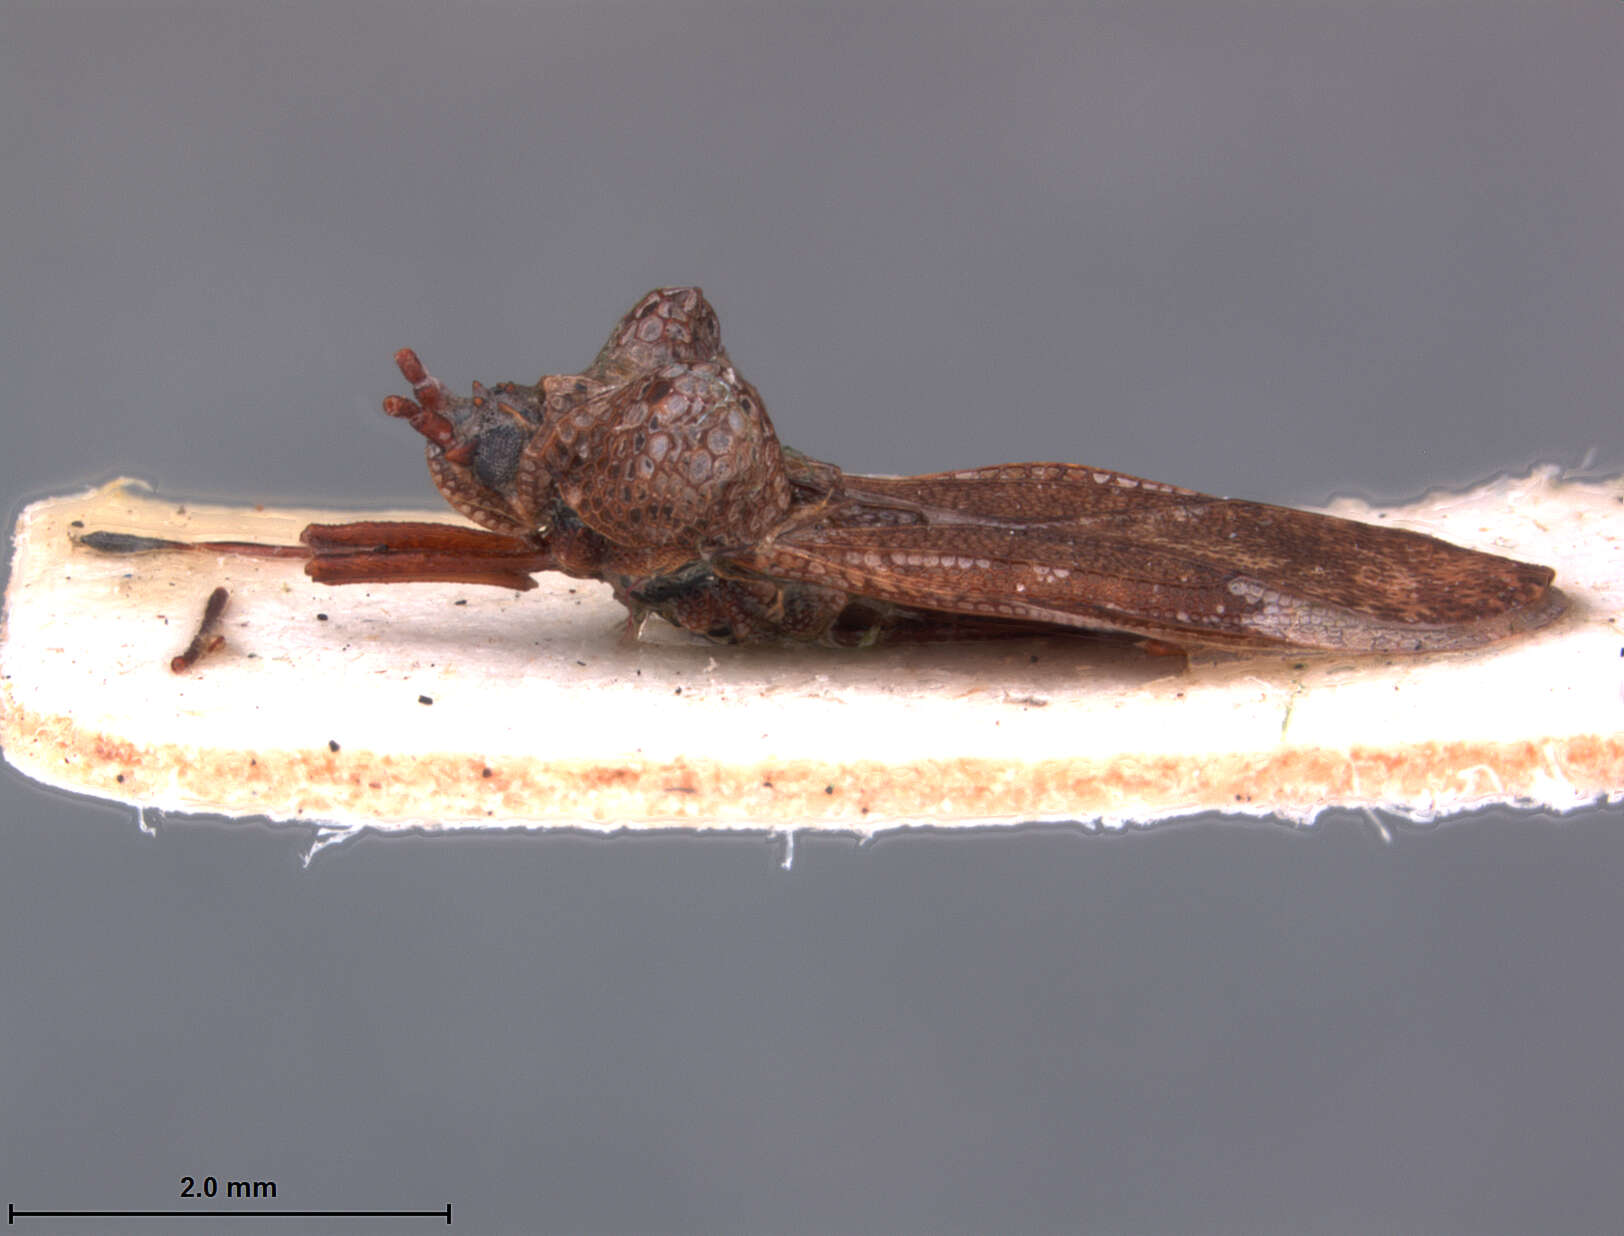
[[132, 543], [373, 552], [394, 552], [738, 610], [207, 639]]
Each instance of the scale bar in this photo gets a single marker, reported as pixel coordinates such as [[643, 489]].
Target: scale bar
[[13, 1214]]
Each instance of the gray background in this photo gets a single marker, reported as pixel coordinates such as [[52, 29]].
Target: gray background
[[1272, 250]]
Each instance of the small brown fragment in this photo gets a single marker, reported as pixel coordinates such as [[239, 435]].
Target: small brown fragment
[[207, 639]]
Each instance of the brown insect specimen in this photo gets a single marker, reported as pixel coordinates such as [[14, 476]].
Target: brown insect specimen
[[658, 471], [206, 640]]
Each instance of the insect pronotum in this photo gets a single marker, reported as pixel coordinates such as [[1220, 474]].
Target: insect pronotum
[[657, 470]]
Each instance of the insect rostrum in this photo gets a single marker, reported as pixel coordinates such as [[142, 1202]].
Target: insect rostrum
[[657, 470]]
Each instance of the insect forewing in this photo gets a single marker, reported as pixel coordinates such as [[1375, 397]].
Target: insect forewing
[[1081, 547]]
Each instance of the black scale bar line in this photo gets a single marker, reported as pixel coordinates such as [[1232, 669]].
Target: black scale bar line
[[13, 1214]]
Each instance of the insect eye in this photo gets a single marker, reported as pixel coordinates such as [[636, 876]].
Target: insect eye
[[496, 454]]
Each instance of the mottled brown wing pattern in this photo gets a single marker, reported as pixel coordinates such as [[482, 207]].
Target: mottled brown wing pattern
[[1022, 492], [1391, 574], [1090, 548]]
